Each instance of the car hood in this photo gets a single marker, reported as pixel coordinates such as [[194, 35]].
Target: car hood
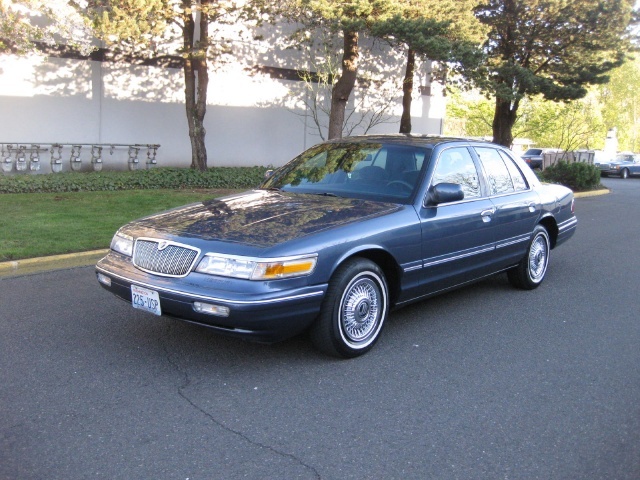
[[261, 218]]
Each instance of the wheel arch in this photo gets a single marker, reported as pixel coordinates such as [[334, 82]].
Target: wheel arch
[[551, 226], [387, 264]]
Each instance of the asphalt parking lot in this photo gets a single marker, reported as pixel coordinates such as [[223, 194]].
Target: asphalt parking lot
[[487, 382]]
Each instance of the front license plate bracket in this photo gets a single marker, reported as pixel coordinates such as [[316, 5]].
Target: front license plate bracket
[[145, 299]]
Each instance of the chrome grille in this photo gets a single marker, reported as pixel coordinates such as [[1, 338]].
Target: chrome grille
[[164, 258]]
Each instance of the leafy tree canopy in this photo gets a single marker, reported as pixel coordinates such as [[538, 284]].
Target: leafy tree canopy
[[554, 48], [25, 23]]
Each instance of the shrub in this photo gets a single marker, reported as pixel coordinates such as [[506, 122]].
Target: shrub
[[577, 176], [156, 178]]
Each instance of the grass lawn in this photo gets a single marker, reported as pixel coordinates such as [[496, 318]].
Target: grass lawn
[[41, 224]]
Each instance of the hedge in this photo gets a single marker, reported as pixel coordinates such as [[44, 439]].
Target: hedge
[[156, 178], [577, 176]]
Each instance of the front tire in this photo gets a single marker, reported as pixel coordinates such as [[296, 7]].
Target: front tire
[[354, 310], [624, 174], [531, 270]]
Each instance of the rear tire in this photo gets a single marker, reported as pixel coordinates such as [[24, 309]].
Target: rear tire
[[354, 310], [531, 270]]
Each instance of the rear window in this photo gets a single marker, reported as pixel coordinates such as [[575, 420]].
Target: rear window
[[533, 151]]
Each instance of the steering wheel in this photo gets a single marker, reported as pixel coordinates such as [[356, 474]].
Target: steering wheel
[[402, 183]]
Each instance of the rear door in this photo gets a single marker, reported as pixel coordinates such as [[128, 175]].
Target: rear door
[[517, 206]]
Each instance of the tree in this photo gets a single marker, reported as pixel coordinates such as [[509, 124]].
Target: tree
[[620, 99], [371, 102], [468, 114], [184, 27], [566, 126], [26, 24], [348, 19], [555, 48], [442, 31]]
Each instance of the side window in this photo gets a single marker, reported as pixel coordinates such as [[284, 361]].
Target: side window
[[497, 172], [519, 182], [455, 165]]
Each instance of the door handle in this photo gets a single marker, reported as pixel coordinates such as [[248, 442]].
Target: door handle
[[487, 214], [532, 207]]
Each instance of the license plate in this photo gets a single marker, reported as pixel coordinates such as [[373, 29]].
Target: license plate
[[145, 299]]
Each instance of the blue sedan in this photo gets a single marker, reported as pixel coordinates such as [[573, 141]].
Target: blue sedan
[[624, 166], [341, 235]]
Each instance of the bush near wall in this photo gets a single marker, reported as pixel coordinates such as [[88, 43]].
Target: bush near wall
[[157, 178], [577, 176]]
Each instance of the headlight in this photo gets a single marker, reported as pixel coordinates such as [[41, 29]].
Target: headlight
[[257, 269], [123, 244]]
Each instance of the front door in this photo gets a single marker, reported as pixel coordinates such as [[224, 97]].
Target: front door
[[457, 238]]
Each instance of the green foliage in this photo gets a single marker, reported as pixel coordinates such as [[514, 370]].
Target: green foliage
[[79, 221], [576, 176], [555, 48], [25, 22], [567, 126], [620, 103], [157, 178], [468, 114]]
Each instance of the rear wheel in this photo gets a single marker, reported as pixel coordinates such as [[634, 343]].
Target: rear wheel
[[530, 272], [624, 173], [354, 310]]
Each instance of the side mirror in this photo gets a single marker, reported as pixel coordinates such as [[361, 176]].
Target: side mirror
[[445, 193]]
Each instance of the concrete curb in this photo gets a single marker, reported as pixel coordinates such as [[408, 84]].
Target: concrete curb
[[54, 262], [593, 193]]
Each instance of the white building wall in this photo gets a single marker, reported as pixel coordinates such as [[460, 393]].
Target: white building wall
[[251, 118]]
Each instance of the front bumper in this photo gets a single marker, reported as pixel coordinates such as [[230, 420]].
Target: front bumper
[[606, 169], [259, 311]]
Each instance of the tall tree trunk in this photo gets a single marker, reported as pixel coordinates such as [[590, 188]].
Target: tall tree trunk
[[344, 86], [504, 118], [196, 81], [407, 91]]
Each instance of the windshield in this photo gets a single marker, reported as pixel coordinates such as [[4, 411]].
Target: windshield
[[375, 171], [624, 157]]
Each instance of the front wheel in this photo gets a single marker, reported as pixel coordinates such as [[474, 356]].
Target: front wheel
[[530, 272], [624, 173], [354, 310]]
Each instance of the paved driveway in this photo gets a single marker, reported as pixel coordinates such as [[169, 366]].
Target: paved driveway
[[483, 383]]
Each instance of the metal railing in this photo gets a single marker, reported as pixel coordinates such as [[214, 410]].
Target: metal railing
[[26, 156]]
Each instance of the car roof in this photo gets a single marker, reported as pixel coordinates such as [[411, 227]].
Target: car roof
[[409, 139]]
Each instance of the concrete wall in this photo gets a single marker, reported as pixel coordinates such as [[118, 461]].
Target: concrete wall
[[252, 119]]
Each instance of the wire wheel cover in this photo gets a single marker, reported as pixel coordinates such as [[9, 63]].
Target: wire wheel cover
[[360, 310], [538, 254]]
